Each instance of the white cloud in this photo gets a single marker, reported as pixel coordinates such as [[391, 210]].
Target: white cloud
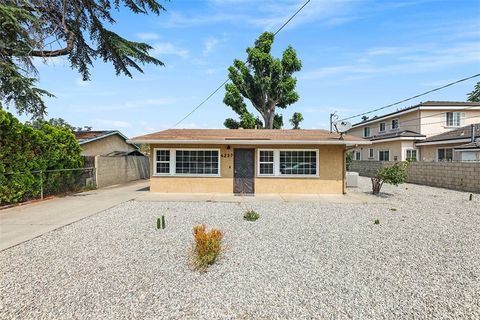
[[148, 36], [209, 45], [167, 48]]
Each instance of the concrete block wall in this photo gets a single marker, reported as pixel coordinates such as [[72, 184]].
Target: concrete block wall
[[118, 170], [463, 176]]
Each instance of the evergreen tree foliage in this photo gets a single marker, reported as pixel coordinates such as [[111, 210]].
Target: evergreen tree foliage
[[75, 29], [297, 117], [474, 96], [264, 80]]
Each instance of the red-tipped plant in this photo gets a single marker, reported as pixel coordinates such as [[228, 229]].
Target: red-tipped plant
[[207, 246]]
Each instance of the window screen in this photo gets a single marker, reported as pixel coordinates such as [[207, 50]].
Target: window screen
[[266, 162], [298, 162], [162, 161], [445, 154], [453, 119], [196, 162], [384, 155]]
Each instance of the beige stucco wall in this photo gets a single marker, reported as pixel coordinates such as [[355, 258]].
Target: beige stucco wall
[[105, 146], [429, 153], [434, 123], [329, 181], [408, 121]]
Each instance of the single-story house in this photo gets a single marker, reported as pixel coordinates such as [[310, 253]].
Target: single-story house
[[105, 143], [460, 144], [245, 161]]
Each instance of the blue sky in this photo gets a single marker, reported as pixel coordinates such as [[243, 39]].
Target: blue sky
[[357, 55]]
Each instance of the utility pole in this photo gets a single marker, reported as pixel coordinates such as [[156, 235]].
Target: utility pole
[[332, 115]]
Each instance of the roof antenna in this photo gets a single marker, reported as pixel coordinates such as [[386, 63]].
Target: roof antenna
[[342, 127]]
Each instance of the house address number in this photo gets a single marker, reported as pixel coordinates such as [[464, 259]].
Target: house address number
[[227, 155]]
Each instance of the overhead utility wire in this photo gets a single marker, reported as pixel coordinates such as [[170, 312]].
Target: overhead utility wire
[[411, 98], [224, 82]]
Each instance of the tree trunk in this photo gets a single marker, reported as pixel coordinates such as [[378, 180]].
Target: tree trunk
[[376, 185], [268, 117]]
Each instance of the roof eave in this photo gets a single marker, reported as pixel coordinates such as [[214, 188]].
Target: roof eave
[[253, 142]]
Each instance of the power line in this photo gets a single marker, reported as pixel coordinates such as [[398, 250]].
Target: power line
[[411, 98], [224, 82]]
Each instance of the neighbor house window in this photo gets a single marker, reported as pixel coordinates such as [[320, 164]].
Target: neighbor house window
[[411, 155], [366, 132], [196, 162], [453, 119], [445, 154], [394, 124], [370, 153], [298, 162], [162, 161], [382, 127], [384, 155], [358, 155], [266, 162]]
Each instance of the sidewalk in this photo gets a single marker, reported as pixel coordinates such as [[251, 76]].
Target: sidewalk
[[22, 223]]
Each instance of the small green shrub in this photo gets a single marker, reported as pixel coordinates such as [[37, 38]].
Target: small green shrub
[[208, 246], [251, 215], [376, 221], [161, 223], [393, 175], [393, 209]]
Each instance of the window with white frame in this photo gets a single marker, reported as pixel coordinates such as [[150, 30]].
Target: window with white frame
[[411, 154], [298, 162], [453, 119], [162, 161], [366, 132], [394, 124], [266, 162], [287, 162], [382, 127], [384, 155], [370, 153], [358, 155], [196, 162], [445, 154], [186, 162]]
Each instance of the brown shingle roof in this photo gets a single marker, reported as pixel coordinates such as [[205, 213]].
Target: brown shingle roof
[[460, 133], [402, 134], [87, 135], [228, 135]]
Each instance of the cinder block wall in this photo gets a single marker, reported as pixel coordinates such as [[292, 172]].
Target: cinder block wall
[[463, 176], [117, 170]]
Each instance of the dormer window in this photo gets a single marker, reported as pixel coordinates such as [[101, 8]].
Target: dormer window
[[382, 127], [394, 124], [366, 132]]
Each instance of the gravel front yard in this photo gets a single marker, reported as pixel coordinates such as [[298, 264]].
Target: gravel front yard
[[299, 260]]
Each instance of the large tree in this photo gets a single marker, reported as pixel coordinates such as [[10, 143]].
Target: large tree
[[264, 80], [297, 117], [75, 29], [474, 96]]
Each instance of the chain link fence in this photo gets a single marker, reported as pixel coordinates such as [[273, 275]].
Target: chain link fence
[[24, 186]]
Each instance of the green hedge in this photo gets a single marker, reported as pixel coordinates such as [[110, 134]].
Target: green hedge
[[24, 150]]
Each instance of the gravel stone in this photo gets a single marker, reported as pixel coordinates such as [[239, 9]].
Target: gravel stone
[[298, 261]]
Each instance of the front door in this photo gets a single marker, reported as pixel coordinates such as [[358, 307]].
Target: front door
[[243, 171]]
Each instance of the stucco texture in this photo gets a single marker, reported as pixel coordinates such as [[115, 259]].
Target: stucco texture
[[329, 181]]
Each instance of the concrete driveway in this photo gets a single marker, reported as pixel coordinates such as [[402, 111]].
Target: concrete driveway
[[22, 223]]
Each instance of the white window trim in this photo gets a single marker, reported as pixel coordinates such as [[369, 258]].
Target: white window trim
[[384, 151], [276, 165], [369, 132], [411, 149], [380, 127], [437, 157], [355, 156], [398, 124], [173, 158], [461, 119], [373, 153]]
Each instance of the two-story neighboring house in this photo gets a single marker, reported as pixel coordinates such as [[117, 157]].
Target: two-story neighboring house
[[398, 136]]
